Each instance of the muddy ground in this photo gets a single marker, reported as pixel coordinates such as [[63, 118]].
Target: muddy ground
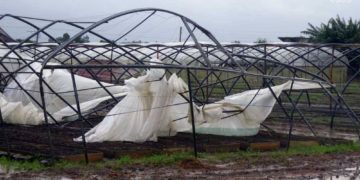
[[33, 140], [327, 166]]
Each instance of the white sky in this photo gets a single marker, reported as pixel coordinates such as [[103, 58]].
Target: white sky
[[228, 20]]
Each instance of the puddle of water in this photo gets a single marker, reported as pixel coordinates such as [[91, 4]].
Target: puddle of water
[[342, 177], [224, 165], [65, 178], [352, 169], [345, 174]]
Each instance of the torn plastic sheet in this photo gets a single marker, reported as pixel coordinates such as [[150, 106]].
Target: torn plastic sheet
[[152, 107], [241, 114], [141, 117], [60, 81], [90, 94], [17, 113], [144, 112]]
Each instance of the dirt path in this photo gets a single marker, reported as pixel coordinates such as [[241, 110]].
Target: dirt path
[[294, 167]]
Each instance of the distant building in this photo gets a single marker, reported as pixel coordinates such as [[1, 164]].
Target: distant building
[[5, 37], [298, 39]]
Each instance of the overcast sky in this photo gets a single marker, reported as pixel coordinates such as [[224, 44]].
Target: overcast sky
[[228, 20]]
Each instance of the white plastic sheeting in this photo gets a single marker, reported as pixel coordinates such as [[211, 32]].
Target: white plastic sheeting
[[144, 113], [17, 113], [84, 107], [89, 91], [13, 60], [241, 114], [151, 108], [60, 81], [154, 108]]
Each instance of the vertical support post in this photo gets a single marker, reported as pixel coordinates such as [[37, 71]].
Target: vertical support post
[[112, 59], [207, 79], [180, 34], [291, 120], [157, 51], [80, 117], [331, 66], [5, 134], [333, 113], [191, 111], [265, 63], [35, 48], [331, 81], [42, 95]]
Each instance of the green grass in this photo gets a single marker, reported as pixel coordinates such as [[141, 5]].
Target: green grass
[[153, 160], [309, 150], [66, 165], [176, 158], [33, 165], [164, 159]]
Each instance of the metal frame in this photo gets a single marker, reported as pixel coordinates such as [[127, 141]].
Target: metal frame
[[243, 62]]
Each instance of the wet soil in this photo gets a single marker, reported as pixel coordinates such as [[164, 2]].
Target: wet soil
[[295, 167], [34, 140]]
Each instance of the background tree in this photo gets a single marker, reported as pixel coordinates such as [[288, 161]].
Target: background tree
[[66, 36], [61, 39], [336, 30], [261, 40], [21, 40], [82, 39]]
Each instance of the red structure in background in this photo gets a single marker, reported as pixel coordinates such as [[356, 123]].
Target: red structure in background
[[105, 75]]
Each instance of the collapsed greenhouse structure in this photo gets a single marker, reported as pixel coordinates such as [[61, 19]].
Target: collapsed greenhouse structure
[[73, 97]]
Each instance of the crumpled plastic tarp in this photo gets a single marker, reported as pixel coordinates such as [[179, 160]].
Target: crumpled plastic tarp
[[154, 108], [241, 114], [144, 112], [89, 92], [17, 113]]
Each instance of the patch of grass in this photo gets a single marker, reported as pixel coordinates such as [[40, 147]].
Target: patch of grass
[[165, 159], [325, 149], [176, 158], [280, 154], [124, 161], [62, 164], [34, 165], [153, 160]]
